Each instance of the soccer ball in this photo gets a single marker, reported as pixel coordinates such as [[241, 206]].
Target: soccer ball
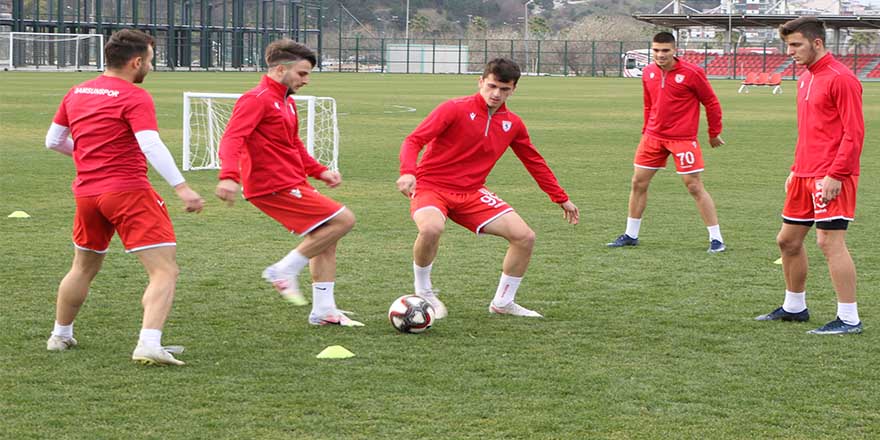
[[411, 314]]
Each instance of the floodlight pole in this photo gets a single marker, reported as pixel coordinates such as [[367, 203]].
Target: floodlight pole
[[406, 34], [526, 23]]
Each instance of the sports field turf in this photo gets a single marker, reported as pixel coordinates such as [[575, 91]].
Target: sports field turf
[[652, 342]]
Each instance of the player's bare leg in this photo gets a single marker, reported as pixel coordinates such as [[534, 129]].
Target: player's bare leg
[[72, 293], [284, 275], [706, 206], [843, 277], [638, 195], [162, 269], [323, 270], [323, 266], [514, 229], [521, 239], [794, 268], [317, 241], [794, 256], [638, 200], [161, 266], [74, 288], [430, 223], [840, 263]]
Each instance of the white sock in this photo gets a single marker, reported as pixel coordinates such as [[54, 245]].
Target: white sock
[[715, 233], [632, 227], [293, 263], [65, 331], [848, 313], [150, 337], [506, 292], [422, 277], [322, 298], [795, 302]]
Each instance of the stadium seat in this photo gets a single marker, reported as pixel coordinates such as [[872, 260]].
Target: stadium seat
[[750, 80], [775, 81], [762, 79]]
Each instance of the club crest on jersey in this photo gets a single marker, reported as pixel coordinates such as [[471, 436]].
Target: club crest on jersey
[[679, 78], [296, 193], [652, 75], [473, 116], [505, 125]]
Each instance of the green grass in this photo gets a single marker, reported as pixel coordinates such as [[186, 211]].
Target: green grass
[[651, 342]]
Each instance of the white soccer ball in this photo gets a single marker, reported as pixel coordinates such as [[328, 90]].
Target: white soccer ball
[[411, 314]]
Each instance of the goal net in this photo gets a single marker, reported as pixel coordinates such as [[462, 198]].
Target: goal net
[[51, 52], [205, 116]]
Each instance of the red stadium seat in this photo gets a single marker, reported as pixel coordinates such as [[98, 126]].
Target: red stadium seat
[[750, 80]]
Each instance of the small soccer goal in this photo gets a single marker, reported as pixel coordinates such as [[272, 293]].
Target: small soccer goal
[[51, 52], [205, 116]]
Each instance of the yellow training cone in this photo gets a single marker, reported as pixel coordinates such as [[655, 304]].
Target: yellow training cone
[[19, 214], [335, 352], [779, 261]]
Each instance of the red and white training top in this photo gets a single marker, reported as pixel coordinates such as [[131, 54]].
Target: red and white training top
[[463, 144], [672, 102], [261, 147], [831, 128], [103, 114]]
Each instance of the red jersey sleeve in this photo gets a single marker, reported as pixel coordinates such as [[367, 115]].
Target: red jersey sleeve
[[430, 128], [141, 113], [246, 115], [713, 108], [61, 115], [536, 165], [846, 91]]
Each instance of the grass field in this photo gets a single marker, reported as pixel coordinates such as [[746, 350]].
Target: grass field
[[652, 342]]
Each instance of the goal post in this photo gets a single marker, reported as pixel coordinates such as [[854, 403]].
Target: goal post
[[205, 116], [51, 52]]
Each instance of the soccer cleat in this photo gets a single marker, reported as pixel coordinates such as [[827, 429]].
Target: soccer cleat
[[781, 315], [336, 317], [716, 246], [513, 309], [60, 343], [153, 356], [286, 287], [440, 311], [623, 240], [837, 327]]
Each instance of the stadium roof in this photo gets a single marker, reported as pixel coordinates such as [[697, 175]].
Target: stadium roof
[[676, 21]]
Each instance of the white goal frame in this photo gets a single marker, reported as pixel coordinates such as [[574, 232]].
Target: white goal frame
[[325, 145], [8, 60]]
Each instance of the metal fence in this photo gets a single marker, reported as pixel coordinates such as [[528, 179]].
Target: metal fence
[[189, 34], [568, 57]]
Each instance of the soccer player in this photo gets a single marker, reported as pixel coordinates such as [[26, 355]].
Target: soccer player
[[114, 130], [261, 149], [465, 137], [821, 187], [673, 92]]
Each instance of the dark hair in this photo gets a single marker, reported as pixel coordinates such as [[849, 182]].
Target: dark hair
[[125, 45], [664, 37], [287, 50], [504, 70], [810, 27]]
